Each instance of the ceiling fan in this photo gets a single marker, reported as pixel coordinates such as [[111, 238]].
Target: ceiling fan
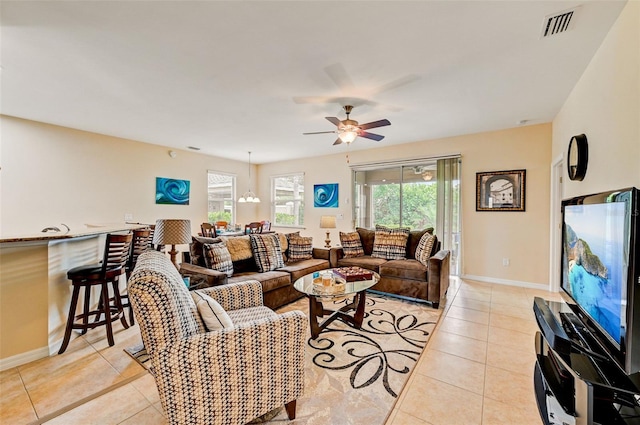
[[349, 129]]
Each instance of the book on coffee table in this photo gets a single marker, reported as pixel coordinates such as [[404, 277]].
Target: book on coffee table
[[352, 274]]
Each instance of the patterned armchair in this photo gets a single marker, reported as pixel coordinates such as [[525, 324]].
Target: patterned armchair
[[230, 376]]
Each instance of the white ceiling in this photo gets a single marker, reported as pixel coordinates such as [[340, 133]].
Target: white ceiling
[[231, 77]]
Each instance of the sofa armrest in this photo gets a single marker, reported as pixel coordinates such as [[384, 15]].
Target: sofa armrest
[[202, 277], [197, 374], [321, 253], [234, 296], [438, 276], [335, 254]]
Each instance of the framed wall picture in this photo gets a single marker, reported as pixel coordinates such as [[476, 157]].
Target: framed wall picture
[[172, 191], [500, 190], [325, 195]]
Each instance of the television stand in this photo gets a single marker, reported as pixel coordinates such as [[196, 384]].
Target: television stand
[[576, 381]]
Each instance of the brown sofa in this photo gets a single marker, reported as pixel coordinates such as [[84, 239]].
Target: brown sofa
[[277, 285], [406, 277]]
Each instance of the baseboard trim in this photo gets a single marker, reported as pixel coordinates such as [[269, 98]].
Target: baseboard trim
[[541, 286], [22, 358]]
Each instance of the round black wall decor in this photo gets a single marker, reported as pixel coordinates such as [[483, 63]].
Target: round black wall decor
[[578, 157]]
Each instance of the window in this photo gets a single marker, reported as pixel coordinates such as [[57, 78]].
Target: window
[[221, 191], [415, 194], [287, 200]]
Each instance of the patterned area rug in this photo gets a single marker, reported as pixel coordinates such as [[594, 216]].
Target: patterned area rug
[[353, 376]]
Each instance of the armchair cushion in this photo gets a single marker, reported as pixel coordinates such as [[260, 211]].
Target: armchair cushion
[[266, 251], [217, 257], [212, 313]]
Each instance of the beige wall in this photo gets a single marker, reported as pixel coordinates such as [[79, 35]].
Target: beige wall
[[605, 105], [488, 237], [53, 175], [59, 175]]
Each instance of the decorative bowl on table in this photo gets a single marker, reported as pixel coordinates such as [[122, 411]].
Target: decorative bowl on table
[[335, 287]]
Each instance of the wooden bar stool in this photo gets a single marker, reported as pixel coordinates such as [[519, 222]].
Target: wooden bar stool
[[116, 254], [140, 243]]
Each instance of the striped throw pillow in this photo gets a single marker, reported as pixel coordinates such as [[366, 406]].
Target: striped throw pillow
[[390, 244], [213, 315], [351, 244], [266, 252], [300, 248], [217, 257], [425, 246]]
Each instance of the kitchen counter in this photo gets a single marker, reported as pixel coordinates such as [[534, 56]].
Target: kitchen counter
[[34, 290]]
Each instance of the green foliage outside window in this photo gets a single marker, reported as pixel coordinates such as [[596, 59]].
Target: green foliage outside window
[[419, 205], [219, 216]]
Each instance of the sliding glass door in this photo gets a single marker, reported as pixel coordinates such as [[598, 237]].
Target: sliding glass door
[[416, 194]]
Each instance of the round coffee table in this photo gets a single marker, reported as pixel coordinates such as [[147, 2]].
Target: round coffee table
[[317, 311]]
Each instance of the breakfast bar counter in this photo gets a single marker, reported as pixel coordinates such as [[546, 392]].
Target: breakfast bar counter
[[34, 290]]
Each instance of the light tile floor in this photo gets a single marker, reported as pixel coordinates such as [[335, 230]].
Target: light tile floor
[[478, 366], [477, 369]]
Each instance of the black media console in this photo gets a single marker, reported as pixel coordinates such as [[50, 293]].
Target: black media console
[[576, 381]]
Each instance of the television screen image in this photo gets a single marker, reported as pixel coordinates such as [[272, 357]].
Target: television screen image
[[595, 256]]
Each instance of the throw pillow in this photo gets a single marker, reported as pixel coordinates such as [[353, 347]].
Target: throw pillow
[[266, 252], [300, 248], [217, 257], [196, 249], [351, 244], [239, 247], [423, 251], [212, 313], [390, 244]]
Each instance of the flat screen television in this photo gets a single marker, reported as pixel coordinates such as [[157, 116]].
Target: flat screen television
[[600, 269]]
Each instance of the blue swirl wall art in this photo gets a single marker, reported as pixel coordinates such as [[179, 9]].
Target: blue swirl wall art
[[172, 191], [325, 195]]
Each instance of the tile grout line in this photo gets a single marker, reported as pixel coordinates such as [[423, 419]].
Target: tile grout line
[[84, 400]]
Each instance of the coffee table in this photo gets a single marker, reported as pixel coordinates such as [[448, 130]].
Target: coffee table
[[316, 308]]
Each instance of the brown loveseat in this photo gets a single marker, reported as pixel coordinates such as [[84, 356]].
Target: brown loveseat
[[277, 285], [406, 277]]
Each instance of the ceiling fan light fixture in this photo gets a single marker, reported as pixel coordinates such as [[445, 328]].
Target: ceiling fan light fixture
[[348, 134]]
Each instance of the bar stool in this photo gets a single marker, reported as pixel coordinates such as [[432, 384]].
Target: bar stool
[[139, 244], [116, 254]]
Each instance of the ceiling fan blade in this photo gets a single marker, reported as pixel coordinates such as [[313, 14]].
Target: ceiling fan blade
[[318, 132], [339, 75], [407, 79], [371, 136], [334, 120], [317, 99], [337, 142], [374, 124]]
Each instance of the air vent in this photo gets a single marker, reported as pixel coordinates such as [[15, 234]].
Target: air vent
[[558, 22]]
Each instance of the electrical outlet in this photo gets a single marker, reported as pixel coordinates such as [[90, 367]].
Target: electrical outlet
[[128, 217], [505, 262]]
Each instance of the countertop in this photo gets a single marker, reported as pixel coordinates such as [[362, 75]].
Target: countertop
[[88, 230]]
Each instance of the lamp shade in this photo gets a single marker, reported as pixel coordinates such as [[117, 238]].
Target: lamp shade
[[328, 222], [172, 232]]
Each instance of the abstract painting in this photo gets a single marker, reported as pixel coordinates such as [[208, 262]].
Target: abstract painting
[[172, 191], [325, 195]]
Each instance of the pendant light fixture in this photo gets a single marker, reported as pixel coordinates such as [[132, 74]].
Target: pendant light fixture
[[249, 196]]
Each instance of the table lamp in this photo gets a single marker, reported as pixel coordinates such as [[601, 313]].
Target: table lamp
[[328, 222], [172, 232]]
